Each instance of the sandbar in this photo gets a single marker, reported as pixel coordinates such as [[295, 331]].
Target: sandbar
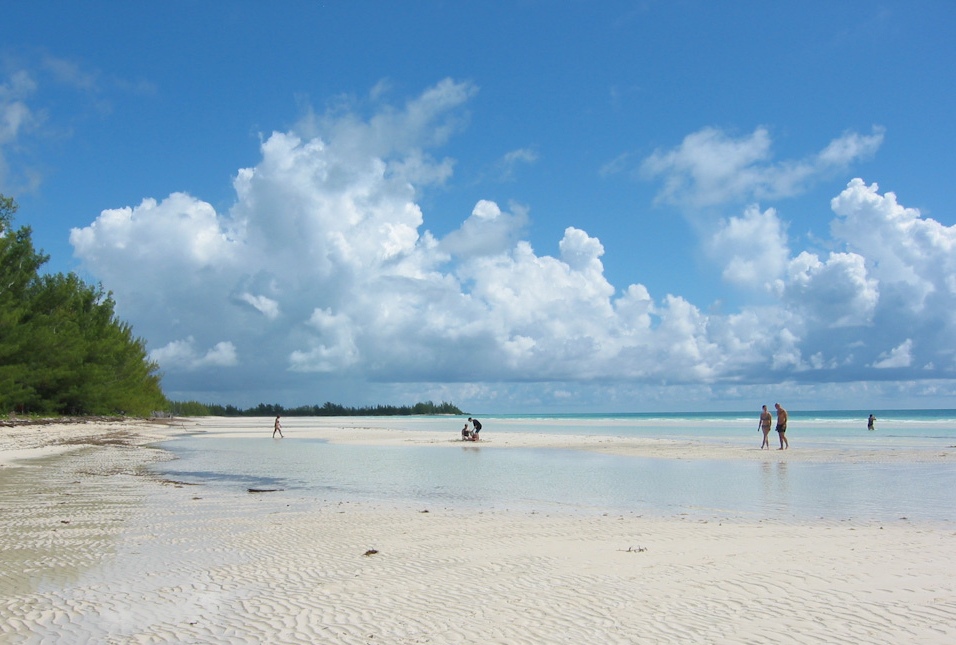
[[96, 549]]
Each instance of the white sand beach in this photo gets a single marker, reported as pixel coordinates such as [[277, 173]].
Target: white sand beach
[[95, 550]]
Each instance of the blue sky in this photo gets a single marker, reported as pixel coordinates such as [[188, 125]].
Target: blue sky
[[514, 206]]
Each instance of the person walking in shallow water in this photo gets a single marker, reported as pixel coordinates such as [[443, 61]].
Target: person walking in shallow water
[[782, 426], [765, 421], [277, 428], [870, 422]]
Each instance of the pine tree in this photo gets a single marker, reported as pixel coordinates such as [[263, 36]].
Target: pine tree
[[62, 348]]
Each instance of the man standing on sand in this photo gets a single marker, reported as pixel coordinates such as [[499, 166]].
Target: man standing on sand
[[278, 428], [764, 426], [782, 426]]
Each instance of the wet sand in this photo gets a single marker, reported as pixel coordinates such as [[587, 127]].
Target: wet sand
[[96, 550]]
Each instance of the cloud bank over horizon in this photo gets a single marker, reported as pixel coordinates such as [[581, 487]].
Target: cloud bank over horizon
[[323, 276]]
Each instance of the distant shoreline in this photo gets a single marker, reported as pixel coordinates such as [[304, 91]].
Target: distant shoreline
[[386, 431]]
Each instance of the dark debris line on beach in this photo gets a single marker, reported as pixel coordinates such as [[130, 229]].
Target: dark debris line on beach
[[13, 421]]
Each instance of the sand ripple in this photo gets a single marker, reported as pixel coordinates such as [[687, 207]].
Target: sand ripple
[[94, 553]]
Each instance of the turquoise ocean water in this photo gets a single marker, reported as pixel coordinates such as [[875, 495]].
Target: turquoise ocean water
[[555, 480]]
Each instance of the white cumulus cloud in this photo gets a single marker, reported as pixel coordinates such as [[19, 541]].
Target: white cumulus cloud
[[266, 306], [903, 248], [753, 247], [900, 356], [835, 293], [322, 276], [710, 167], [183, 354]]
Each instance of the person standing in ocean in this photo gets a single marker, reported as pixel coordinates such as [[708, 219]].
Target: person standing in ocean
[[782, 426], [764, 426], [870, 422], [277, 428]]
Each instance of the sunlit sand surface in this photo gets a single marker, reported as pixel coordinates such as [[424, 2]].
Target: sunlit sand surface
[[97, 550]]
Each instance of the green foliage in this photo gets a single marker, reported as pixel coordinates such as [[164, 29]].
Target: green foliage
[[62, 349], [188, 409], [194, 409]]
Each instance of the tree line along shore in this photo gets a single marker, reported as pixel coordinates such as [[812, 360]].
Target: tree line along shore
[[196, 409]]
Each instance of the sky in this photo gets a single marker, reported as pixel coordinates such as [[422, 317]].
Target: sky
[[516, 207]]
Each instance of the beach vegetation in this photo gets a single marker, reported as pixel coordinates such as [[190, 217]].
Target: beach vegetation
[[63, 351], [328, 409]]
